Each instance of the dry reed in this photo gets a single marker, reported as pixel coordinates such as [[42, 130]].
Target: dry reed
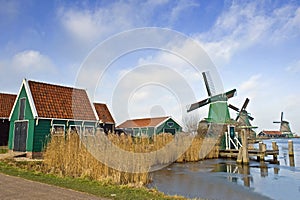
[[68, 156]]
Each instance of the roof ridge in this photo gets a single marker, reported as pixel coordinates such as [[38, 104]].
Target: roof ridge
[[148, 118], [8, 94], [55, 84]]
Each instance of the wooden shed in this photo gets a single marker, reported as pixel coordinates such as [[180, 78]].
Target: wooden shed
[[107, 122], [150, 126], [6, 104], [41, 109]]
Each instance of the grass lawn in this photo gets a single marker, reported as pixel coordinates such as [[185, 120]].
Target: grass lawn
[[96, 188]]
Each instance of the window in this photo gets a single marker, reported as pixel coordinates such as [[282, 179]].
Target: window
[[22, 109], [75, 128], [89, 131], [170, 124], [58, 129]]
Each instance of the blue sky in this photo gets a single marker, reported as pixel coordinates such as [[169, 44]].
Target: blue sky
[[254, 45]]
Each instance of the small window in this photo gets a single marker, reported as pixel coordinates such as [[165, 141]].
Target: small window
[[22, 109], [58, 130], [75, 128], [170, 124], [89, 130]]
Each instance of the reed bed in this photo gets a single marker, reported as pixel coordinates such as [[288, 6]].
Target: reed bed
[[111, 157], [69, 157]]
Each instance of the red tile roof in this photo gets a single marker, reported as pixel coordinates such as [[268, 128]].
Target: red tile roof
[[146, 122], [103, 113], [55, 101], [6, 103], [272, 132]]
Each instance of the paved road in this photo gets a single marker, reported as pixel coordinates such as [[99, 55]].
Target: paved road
[[17, 188]]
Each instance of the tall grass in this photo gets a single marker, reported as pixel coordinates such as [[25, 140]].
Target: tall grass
[[74, 155], [69, 157]]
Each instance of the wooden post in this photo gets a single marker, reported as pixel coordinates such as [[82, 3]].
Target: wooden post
[[264, 149], [243, 156], [245, 146], [239, 159], [246, 172], [291, 148], [275, 148], [291, 153], [260, 156]]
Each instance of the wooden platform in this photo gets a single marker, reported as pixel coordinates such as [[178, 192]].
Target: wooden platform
[[232, 153]]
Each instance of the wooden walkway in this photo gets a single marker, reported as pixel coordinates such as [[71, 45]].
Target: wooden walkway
[[233, 153]]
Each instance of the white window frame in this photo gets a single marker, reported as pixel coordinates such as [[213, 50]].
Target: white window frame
[[53, 130], [88, 126]]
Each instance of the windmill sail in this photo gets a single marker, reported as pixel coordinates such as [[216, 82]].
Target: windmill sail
[[199, 104], [210, 87]]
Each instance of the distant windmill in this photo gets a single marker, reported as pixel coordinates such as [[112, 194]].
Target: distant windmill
[[243, 116], [218, 108], [284, 125]]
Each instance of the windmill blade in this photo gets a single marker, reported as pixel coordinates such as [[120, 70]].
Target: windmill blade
[[210, 88], [245, 104], [251, 118], [281, 118], [198, 105], [230, 93], [234, 108], [276, 122]]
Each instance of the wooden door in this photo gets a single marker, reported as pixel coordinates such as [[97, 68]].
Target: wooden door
[[20, 134]]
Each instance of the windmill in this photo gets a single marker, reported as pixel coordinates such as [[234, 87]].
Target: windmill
[[284, 125], [243, 116], [218, 108]]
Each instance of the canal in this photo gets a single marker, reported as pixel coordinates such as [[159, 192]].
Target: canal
[[224, 179]]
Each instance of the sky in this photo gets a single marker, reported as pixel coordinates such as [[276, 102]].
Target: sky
[[253, 45]]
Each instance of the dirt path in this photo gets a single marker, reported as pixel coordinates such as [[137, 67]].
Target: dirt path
[[17, 188]]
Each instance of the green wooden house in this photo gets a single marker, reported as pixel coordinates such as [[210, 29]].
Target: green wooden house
[[150, 126], [42, 110]]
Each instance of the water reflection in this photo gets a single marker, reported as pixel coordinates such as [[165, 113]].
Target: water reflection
[[236, 173]]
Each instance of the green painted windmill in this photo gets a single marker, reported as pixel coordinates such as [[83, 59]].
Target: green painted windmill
[[218, 108]]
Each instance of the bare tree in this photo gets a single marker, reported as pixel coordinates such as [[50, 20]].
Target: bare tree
[[190, 123]]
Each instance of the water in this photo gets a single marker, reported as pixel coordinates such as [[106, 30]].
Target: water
[[223, 179]]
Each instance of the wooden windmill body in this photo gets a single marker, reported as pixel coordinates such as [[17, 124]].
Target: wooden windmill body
[[243, 118], [284, 126]]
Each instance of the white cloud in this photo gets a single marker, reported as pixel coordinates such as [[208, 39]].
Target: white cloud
[[247, 24], [97, 23], [180, 8], [252, 84], [29, 64], [33, 61]]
